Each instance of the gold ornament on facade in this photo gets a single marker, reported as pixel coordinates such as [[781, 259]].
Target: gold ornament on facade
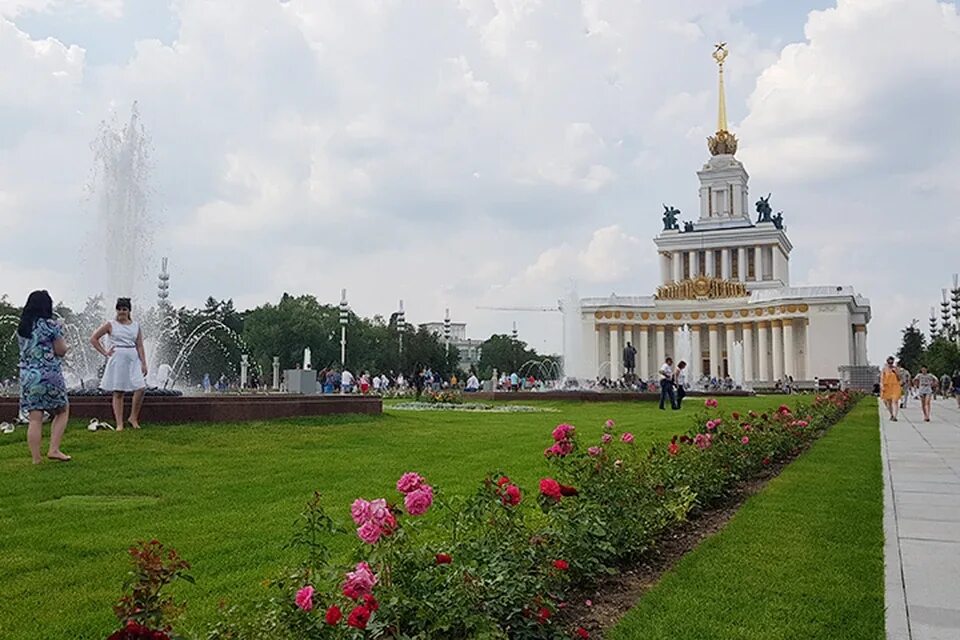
[[728, 314], [792, 308], [722, 142], [608, 314], [701, 288], [677, 315], [598, 315], [661, 315], [616, 314], [695, 315], [644, 316], [744, 313], [711, 314], [804, 308], [629, 315]]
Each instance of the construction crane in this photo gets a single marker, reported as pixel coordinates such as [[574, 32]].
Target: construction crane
[[555, 309]]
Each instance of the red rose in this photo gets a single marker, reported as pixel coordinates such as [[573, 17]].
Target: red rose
[[502, 481], [735, 415], [359, 617], [543, 614], [582, 633], [334, 615], [370, 602], [566, 490], [562, 565], [766, 461], [673, 449], [550, 488], [443, 558], [511, 496]]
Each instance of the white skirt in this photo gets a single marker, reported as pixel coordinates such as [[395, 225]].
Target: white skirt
[[123, 372]]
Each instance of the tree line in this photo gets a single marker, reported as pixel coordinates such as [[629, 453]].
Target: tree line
[[941, 355]]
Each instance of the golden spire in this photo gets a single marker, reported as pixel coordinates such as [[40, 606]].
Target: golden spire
[[723, 142]]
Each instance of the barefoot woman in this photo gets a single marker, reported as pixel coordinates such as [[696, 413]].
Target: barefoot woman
[[126, 364], [41, 378]]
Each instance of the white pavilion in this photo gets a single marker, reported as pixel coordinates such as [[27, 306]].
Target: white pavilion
[[725, 283]]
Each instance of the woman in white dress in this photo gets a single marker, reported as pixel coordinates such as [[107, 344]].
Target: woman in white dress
[[126, 362]]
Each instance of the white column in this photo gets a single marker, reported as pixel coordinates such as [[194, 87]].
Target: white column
[[758, 263], [601, 354], [775, 265], [644, 354], [695, 359], [664, 268], [725, 264], [860, 343], [731, 338], [742, 264], [747, 328], [694, 264], [763, 336], [711, 263], [777, 348], [677, 266], [714, 351], [789, 355], [661, 346], [616, 353]]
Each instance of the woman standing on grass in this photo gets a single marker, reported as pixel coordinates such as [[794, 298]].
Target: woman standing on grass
[[890, 390], [126, 362], [42, 388], [926, 383]]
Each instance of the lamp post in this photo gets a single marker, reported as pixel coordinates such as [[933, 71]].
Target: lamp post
[[344, 315], [276, 373], [401, 328], [244, 365], [956, 307], [446, 332]]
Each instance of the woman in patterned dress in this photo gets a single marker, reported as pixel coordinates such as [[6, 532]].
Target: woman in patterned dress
[[42, 388]]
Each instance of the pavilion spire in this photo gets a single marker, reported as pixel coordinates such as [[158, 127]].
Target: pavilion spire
[[722, 142]]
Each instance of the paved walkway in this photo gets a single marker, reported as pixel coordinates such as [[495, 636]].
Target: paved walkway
[[922, 522]]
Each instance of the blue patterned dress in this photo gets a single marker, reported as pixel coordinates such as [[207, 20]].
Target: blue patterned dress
[[41, 379]]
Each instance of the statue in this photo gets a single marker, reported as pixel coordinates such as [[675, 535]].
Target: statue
[[777, 220], [763, 209], [687, 227], [670, 215]]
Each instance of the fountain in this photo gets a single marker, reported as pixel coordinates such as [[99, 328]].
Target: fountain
[[574, 361], [736, 367]]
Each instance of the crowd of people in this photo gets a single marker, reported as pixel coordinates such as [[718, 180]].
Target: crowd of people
[[897, 385]]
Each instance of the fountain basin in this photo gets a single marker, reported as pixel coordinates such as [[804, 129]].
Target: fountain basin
[[215, 408]]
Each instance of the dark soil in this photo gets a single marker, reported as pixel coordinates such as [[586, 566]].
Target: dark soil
[[614, 596]]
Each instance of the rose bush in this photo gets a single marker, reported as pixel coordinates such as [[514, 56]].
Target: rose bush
[[501, 563]]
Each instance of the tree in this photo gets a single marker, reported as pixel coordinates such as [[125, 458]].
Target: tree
[[911, 352], [505, 354], [942, 356], [9, 349]]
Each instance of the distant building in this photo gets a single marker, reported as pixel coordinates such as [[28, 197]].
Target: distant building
[[470, 350]]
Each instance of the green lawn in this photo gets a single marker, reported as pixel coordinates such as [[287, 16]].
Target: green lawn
[[226, 496], [803, 559]]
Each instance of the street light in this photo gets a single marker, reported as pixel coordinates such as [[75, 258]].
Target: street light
[[446, 332], [401, 328], [344, 315]]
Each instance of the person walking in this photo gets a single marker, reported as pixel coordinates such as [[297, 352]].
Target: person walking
[[890, 389], [945, 386], [42, 388], [956, 386], [680, 380], [666, 384], [926, 384], [906, 380], [126, 368]]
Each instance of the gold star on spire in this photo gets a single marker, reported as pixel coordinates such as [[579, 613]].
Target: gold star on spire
[[723, 142]]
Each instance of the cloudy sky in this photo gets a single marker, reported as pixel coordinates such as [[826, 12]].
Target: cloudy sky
[[465, 153]]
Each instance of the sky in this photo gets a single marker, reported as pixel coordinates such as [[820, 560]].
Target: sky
[[478, 153]]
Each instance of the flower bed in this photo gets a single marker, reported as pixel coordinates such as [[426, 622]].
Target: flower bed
[[480, 407], [502, 562]]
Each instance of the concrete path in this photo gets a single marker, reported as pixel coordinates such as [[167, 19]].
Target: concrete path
[[922, 522]]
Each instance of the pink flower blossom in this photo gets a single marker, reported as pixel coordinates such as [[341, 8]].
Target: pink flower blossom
[[609, 425], [606, 438], [595, 451], [747, 427], [560, 449], [563, 432], [379, 511], [360, 511], [419, 501], [711, 425], [710, 403], [627, 438], [745, 440], [409, 481], [359, 582], [703, 440], [304, 598], [673, 449], [369, 532]]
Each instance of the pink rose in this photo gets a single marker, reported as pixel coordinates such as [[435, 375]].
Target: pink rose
[[627, 438], [703, 440], [304, 598], [745, 440], [359, 582], [711, 425], [607, 438], [595, 451], [560, 449], [419, 501], [379, 511], [409, 481], [609, 425], [563, 431], [360, 511], [370, 532], [710, 403]]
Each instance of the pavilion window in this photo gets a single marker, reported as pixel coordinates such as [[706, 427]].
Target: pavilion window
[[701, 263], [734, 264], [751, 265]]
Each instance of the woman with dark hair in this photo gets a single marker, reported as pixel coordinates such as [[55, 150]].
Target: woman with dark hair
[[126, 362], [42, 388]]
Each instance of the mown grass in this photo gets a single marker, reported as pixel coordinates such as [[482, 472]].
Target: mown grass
[[801, 559], [227, 495]]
